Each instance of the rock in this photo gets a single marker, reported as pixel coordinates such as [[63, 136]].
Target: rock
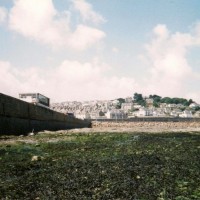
[[36, 158]]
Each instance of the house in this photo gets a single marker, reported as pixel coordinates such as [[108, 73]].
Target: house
[[35, 98], [159, 112], [180, 105], [137, 106], [175, 112], [186, 114], [96, 114], [116, 114], [172, 105], [144, 112], [127, 106], [194, 105], [128, 100], [115, 102], [167, 110], [163, 105], [149, 102], [197, 114], [82, 115]]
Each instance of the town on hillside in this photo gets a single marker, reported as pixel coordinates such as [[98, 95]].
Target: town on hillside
[[130, 107]]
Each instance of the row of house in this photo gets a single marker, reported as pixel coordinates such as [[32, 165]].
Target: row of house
[[107, 109]]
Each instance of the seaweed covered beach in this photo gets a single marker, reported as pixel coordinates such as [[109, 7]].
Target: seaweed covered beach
[[106, 165]]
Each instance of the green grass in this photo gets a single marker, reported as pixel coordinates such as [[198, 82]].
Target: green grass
[[102, 166]]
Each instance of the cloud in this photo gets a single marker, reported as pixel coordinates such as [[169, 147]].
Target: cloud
[[84, 37], [170, 71], [43, 23], [86, 11], [3, 14], [7, 78], [115, 50], [71, 80]]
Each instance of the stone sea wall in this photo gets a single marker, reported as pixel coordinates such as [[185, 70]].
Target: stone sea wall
[[148, 125], [18, 117]]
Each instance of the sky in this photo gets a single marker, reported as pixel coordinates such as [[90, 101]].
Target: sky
[[76, 50]]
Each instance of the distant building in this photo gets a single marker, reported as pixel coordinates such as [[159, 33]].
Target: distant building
[[186, 114], [128, 99], [194, 105], [137, 106], [82, 115], [35, 98], [96, 114], [115, 102], [176, 112], [144, 112], [197, 114], [172, 105], [116, 114], [159, 113], [149, 102], [127, 106], [163, 105]]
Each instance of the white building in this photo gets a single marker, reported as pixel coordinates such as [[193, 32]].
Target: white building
[[82, 115], [186, 114], [137, 106], [176, 112], [128, 99], [163, 105], [194, 105], [172, 105], [149, 102], [35, 98], [167, 110], [159, 113], [127, 106], [197, 114], [144, 112], [116, 114], [96, 114], [115, 102]]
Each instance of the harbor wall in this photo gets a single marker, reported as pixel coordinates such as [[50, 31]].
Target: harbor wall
[[18, 117], [150, 119]]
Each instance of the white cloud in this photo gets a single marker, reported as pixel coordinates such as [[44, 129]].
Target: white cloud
[[7, 78], [84, 37], [43, 23], [71, 80], [3, 14], [115, 50], [170, 72], [87, 12], [161, 31]]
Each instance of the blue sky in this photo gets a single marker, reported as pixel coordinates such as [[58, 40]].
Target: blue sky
[[100, 49]]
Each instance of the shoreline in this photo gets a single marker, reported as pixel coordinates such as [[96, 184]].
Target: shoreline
[[107, 127]]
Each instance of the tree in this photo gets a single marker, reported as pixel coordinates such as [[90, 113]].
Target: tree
[[155, 97], [190, 101], [137, 97], [155, 104], [166, 100], [121, 100], [197, 108], [119, 105]]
